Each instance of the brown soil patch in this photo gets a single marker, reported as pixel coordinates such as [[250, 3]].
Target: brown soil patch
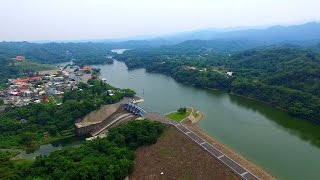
[[101, 114], [178, 157]]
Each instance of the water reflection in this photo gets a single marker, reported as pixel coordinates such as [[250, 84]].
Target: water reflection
[[46, 149], [306, 130]]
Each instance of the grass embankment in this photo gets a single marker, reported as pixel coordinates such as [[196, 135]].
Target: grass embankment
[[29, 65], [177, 157], [177, 116]]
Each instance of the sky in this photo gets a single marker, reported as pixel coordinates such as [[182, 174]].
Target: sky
[[112, 19]]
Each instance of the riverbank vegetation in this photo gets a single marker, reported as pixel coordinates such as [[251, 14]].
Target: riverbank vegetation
[[29, 126], [287, 78], [102, 158], [180, 114]]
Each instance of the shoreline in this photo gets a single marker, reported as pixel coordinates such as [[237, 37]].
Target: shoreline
[[193, 126], [237, 95]]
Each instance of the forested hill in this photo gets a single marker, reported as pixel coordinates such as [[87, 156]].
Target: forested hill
[[90, 53], [288, 78], [83, 53]]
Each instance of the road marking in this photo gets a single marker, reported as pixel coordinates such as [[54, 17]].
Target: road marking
[[244, 173], [221, 156]]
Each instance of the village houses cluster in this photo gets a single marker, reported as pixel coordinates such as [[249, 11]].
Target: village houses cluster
[[36, 89]]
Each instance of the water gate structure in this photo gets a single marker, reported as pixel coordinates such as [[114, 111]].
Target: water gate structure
[[134, 108]]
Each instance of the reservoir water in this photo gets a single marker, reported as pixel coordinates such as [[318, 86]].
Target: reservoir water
[[284, 146], [48, 148]]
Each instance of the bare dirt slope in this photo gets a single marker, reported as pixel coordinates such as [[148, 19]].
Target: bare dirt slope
[[101, 114], [178, 158]]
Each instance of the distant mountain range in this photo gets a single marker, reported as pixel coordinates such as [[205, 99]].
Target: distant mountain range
[[275, 34], [305, 35], [218, 40]]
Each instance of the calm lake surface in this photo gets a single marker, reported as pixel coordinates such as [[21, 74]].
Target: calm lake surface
[[285, 146], [119, 51]]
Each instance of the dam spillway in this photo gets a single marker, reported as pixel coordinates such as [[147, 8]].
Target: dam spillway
[[99, 121]]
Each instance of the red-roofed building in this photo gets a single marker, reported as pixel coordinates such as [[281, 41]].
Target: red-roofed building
[[20, 58], [86, 68], [45, 98], [30, 79]]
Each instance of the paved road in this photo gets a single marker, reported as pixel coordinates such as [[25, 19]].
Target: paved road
[[245, 174]]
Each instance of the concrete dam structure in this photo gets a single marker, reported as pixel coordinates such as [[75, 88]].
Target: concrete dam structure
[[99, 121]]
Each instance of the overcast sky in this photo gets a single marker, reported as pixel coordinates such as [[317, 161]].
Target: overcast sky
[[109, 19]]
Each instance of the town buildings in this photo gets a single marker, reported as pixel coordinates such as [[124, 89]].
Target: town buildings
[[36, 89]]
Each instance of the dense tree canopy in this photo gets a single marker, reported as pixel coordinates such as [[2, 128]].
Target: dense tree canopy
[[102, 158], [82, 53]]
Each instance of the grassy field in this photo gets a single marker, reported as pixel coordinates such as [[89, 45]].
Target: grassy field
[[28, 65], [176, 116], [175, 156]]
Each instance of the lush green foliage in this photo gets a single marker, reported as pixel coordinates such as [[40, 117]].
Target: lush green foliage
[[180, 114], [82, 53], [182, 110], [6, 166], [91, 59], [46, 121], [31, 67], [106, 158], [96, 92], [287, 78], [7, 70], [135, 133]]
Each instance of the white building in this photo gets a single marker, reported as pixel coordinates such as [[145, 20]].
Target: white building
[[230, 73]]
